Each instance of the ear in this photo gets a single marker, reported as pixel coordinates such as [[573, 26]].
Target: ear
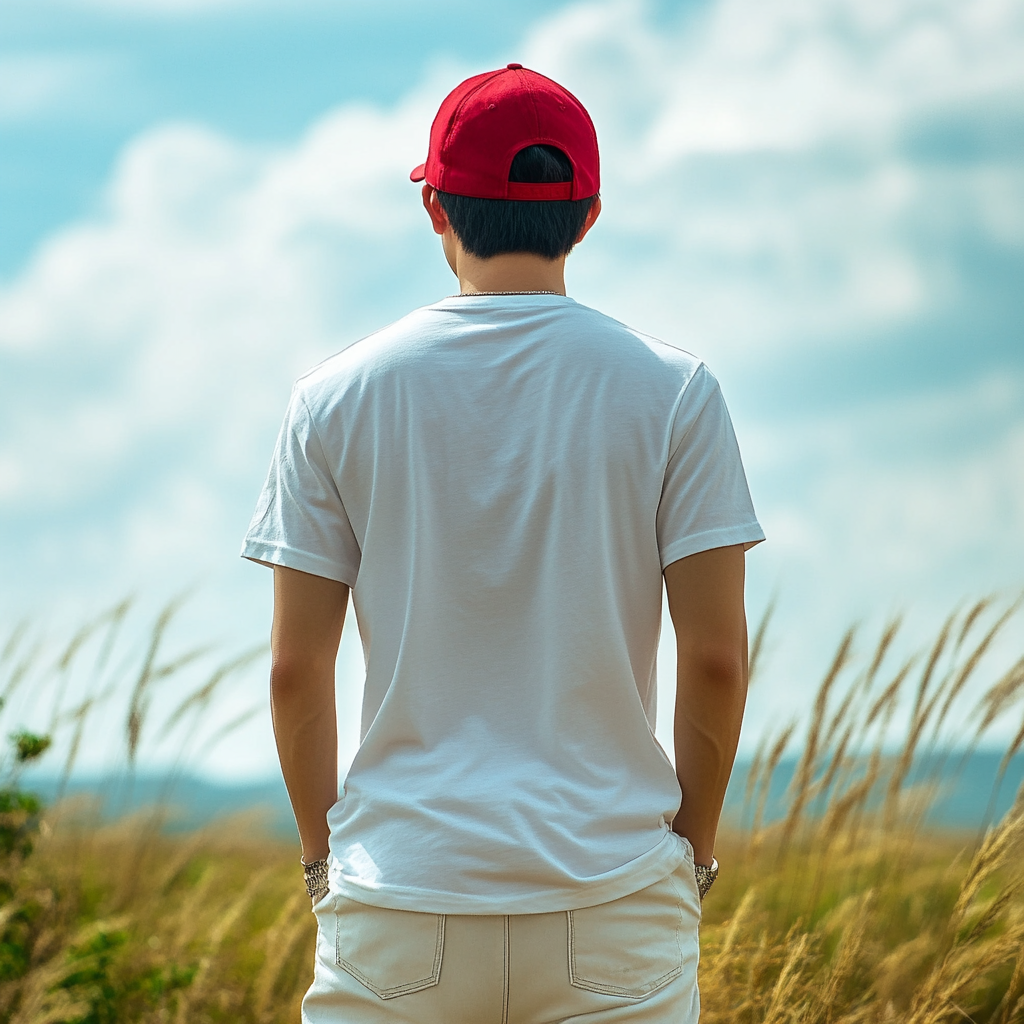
[[592, 214], [438, 218]]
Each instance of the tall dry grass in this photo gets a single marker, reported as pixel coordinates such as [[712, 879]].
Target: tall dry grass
[[845, 908]]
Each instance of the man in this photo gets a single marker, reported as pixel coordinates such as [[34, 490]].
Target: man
[[502, 479]]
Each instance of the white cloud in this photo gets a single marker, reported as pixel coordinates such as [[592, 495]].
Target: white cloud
[[763, 156], [217, 274], [34, 85], [904, 505], [796, 74], [921, 483]]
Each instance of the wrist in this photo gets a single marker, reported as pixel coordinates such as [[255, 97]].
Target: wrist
[[703, 854], [703, 849]]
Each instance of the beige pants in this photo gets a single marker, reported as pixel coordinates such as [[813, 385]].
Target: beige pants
[[631, 960]]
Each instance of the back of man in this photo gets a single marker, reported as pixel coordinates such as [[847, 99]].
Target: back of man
[[501, 480]]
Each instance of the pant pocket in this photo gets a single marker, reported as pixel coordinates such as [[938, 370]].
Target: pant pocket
[[688, 871], [390, 952], [630, 947]]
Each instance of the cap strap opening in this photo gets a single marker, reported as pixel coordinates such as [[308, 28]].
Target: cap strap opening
[[540, 190]]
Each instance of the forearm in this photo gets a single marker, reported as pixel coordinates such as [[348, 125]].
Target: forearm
[[705, 597], [709, 712], [309, 613], [305, 728]]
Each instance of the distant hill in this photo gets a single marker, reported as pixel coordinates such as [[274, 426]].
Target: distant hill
[[965, 787], [191, 801]]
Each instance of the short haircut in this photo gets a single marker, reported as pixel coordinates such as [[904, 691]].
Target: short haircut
[[548, 228]]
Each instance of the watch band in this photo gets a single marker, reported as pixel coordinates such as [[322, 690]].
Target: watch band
[[706, 876]]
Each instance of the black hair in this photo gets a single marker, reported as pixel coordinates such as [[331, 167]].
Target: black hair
[[548, 227]]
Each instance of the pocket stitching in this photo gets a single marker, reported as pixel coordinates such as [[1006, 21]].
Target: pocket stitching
[[396, 990], [617, 990]]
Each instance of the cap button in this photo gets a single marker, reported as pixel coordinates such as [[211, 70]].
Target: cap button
[[513, 67]]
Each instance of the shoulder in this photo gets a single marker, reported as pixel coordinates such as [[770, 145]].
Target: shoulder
[[357, 365], [666, 360]]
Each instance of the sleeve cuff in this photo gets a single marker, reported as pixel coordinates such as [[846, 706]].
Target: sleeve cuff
[[748, 535], [304, 561]]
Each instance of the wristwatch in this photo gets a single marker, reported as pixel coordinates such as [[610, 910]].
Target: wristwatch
[[705, 877]]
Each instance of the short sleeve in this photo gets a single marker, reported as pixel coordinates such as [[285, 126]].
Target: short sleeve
[[705, 501], [300, 519]]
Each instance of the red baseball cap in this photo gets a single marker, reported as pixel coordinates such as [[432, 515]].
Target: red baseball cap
[[489, 118]]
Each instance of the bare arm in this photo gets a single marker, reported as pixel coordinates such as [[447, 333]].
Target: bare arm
[[705, 599], [309, 612]]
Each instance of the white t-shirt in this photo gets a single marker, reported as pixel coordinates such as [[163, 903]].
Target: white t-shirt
[[501, 480]]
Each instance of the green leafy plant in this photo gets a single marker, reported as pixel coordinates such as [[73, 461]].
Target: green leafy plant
[[108, 987], [28, 746]]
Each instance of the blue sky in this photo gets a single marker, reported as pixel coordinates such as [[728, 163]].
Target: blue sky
[[82, 78], [823, 198]]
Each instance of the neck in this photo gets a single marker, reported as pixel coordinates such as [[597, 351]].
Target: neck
[[510, 272]]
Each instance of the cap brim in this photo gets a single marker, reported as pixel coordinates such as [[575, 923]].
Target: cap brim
[[418, 173]]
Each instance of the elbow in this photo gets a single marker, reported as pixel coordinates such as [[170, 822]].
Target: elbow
[[290, 673], [722, 667], [283, 676]]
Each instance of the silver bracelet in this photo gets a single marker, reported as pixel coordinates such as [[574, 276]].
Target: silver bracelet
[[706, 876], [315, 874]]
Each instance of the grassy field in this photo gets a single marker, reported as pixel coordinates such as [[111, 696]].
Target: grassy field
[[846, 910]]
